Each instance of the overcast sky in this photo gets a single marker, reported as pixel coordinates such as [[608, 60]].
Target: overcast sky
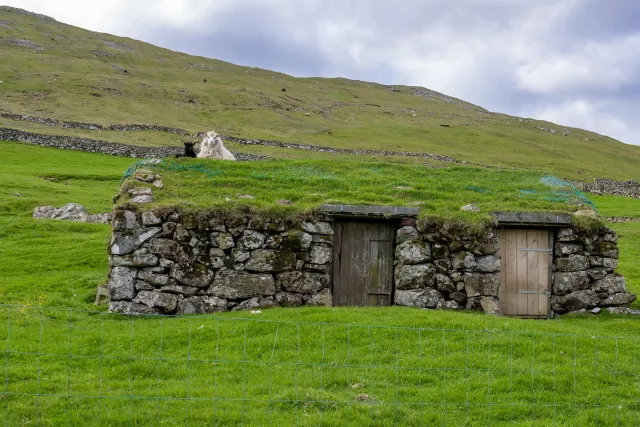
[[573, 62]]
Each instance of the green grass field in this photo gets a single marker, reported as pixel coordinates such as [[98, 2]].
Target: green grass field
[[79, 75], [285, 366]]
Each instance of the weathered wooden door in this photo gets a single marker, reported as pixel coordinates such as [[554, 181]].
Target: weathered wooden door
[[525, 272], [362, 263]]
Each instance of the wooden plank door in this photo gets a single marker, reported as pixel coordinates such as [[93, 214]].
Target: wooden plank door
[[525, 267], [363, 263]]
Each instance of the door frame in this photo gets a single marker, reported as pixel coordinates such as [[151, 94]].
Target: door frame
[[552, 245], [394, 223]]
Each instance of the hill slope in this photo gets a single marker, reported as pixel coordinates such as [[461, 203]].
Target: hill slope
[[55, 70]]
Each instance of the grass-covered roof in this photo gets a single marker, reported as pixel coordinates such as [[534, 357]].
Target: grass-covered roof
[[441, 192]]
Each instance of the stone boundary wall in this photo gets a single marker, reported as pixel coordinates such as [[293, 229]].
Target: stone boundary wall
[[173, 263], [609, 186], [622, 219], [92, 126], [584, 272], [243, 141], [98, 146]]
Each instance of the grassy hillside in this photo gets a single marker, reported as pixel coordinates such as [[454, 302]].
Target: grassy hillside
[[55, 70]]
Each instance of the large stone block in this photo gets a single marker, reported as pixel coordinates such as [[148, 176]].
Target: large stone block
[[264, 260], [303, 282], [298, 241], [139, 258], [192, 274], [463, 261], [421, 298], [222, 240], [149, 276], [407, 233], [597, 273], [415, 276], [131, 308], [573, 263], [571, 281], [166, 302], [125, 242], [574, 301], [256, 302], [564, 249], [320, 254], [122, 283], [317, 228], [413, 252], [165, 248], [619, 299], [289, 299], [252, 239], [231, 284], [487, 264], [201, 305], [611, 284], [444, 283], [567, 235], [180, 290], [477, 284], [150, 218]]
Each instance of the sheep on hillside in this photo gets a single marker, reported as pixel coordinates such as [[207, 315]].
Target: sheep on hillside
[[212, 148]]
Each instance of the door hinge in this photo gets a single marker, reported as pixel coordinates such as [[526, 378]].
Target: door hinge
[[379, 293], [535, 293], [536, 249]]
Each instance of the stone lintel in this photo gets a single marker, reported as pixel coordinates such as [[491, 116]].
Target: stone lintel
[[541, 219], [361, 210]]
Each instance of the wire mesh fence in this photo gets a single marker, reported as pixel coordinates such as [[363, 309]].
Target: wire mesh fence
[[67, 367]]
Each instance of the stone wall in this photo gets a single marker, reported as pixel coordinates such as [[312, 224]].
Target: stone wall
[[98, 146], [609, 186], [439, 268], [584, 271], [172, 263], [243, 141]]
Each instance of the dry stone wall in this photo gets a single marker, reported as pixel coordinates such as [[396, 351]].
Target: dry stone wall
[[435, 268], [609, 186], [98, 146], [173, 263], [584, 275], [180, 263]]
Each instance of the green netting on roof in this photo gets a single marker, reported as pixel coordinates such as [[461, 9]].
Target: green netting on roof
[[559, 190]]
